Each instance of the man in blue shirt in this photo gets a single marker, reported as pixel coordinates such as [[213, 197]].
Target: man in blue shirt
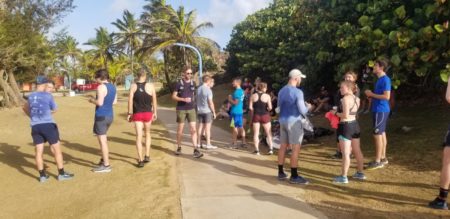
[[293, 109], [39, 108], [237, 112], [380, 110]]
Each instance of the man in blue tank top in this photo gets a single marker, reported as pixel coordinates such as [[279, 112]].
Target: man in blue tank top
[[106, 97], [39, 108]]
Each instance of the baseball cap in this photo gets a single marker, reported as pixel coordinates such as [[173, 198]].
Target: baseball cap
[[296, 73], [42, 80]]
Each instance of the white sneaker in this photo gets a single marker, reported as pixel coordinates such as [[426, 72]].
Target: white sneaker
[[210, 147]]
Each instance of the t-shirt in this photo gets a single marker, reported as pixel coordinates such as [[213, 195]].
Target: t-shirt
[[204, 93], [185, 89], [238, 108], [381, 106], [41, 106], [292, 104]]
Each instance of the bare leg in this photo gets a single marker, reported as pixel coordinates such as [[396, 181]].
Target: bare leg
[[208, 133], [378, 147], [383, 153], [268, 129], [57, 153], [282, 154], [201, 129], [39, 149], [103, 141], [139, 126], [180, 133], [148, 138], [242, 134], [294, 155], [346, 150], [445, 172], [356, 148], [256, 135], [193, 130], [235, 134]]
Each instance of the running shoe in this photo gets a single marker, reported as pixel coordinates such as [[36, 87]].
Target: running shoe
[[438, 203], [298, 180], [44, 178], [337, 155], [385, 161], [178, 151], [244, 145], [282, 176], [341, 179], [102, 169], [233, 146], [359, 175], [65, 176], [256, 153], [197, 153], [146, 159], [210, 147], [270, 152], [140, 164], [374, 165], [100, 162]]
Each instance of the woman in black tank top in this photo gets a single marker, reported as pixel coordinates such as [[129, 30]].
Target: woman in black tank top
[[260, 104], [142, 107]]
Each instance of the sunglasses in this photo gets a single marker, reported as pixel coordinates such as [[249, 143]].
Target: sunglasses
[[189, 73]]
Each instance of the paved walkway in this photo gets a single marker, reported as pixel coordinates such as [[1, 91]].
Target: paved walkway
[[228, 183]]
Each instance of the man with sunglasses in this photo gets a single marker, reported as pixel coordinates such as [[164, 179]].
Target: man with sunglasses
[[184, 94]]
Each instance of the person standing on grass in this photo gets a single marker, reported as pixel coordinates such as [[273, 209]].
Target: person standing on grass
[[261, 105], [104, 116], [237, 112], [142, 110], [349, 132], [206, 112], [440, 202], [39, 109], [292, 110], [381, 110], [184, 95]]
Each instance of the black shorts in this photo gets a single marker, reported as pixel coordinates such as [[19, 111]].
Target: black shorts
[[349, 130], [447, 138], [47, 132], [102, 124], [205, 118]]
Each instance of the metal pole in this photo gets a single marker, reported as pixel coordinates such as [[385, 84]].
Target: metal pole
[[200, 63]]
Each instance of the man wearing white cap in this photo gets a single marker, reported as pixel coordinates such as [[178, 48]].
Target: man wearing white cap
[[291, 126]]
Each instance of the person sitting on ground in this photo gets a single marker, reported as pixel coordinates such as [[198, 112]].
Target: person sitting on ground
[[322, 101], [142, 110], [261, 105], [224, 111], [349, 132]]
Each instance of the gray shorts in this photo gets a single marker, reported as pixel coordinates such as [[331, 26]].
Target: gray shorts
[[204, 118], [101, 124], [291, 133]]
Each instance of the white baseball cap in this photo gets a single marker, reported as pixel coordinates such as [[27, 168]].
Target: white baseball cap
[[296, 73]]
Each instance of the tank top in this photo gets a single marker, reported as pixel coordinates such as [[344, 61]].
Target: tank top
[[259, 107], [106, 109], [142, 101]]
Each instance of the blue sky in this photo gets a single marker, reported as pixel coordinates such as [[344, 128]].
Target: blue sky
[[91, 14]]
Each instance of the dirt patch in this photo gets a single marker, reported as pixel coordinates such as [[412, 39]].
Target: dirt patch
[[150, 192]]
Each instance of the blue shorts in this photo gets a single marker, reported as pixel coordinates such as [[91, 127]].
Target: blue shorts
[[380, 122], [238, 120], [47, 132]]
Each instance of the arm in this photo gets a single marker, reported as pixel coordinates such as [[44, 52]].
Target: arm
[[177, 98], [26, 109], [345, 109], [130, 101], [301, 105], [250, 103], [115, 99], [52, 105], [101, 93], [385, 96], [447, 95], [232, 101], [269, 106], [155, 104]]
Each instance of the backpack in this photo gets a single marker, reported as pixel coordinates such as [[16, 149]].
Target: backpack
[[181, 88]]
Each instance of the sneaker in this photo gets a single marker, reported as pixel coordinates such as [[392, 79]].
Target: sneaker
[[146, 159], [102, 169], [256, 153], [270, 152], [233, 146], [298, 180], [197, 154], [337, 155], [140, 164], [374, 165], [210, 147], [359, 175], [65, 176], [178, 151], [244, 145], [341, 179], [100, 162], [385, 161], [200, 146], [282, 176], [437, 203], [43, 179]]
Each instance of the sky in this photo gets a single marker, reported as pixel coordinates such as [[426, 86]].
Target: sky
[[91, 14]]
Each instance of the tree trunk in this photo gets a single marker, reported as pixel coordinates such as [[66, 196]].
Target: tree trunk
[[166, 70], [11, 99], [15, 87]]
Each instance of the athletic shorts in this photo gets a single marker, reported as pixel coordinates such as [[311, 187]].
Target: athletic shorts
[[102, 124], [338, 131], [47, 132], [190, 115], [291, 133], [380, 122], [349, 131], [204, 118], [142, 117], [238, 120], [447, 138], [263, 119]]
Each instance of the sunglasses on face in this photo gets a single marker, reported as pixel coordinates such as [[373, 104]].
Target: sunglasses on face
[[188, 73]]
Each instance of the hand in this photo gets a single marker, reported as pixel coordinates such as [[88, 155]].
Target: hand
[[129, 117], [187, 100], [214, 115], [368, 93], [309, 106], [333, 111], [155, 117]]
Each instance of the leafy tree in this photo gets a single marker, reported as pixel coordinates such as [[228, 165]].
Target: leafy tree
[[103, 46]]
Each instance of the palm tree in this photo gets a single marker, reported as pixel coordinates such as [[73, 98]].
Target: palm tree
[[163, 26], [129, 34], [103, 46]]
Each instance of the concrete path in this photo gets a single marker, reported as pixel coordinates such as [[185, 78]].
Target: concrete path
[[227, 183]]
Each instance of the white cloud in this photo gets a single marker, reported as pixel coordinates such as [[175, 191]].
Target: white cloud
[[120, 5]]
